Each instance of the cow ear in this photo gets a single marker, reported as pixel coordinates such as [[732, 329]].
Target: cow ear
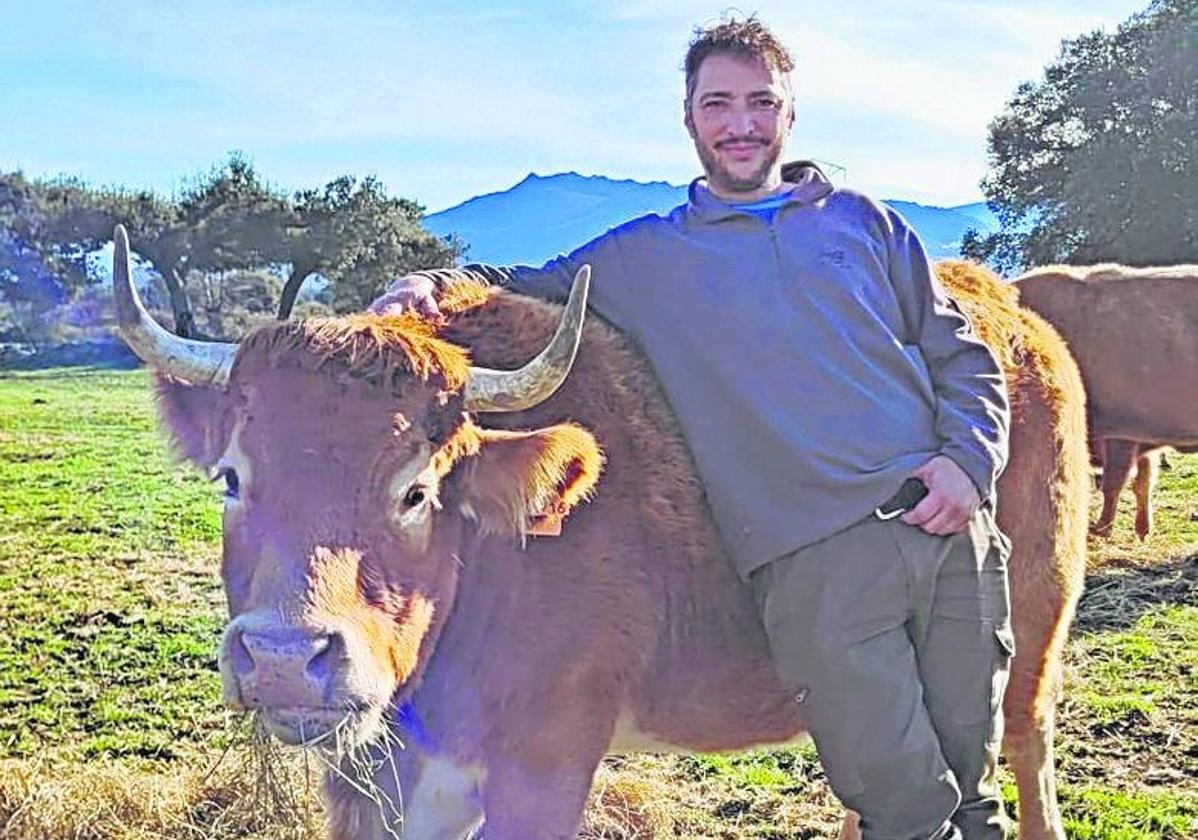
[[519, 480], [196, 417]]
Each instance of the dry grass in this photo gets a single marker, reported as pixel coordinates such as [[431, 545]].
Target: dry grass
[[628, 806], [662, 797], [252, 790], [118, 800]]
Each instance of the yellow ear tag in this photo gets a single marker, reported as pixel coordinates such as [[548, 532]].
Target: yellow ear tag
[[548, 524]]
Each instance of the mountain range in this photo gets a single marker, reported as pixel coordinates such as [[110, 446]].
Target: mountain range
[[543, 216]]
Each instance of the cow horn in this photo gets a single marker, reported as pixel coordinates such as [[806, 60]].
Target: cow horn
[[197, 362], [516, 390]]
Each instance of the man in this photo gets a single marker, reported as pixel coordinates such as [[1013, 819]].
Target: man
[[815, 365]]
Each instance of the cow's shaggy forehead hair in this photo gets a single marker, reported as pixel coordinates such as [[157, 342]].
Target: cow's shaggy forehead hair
[[382, 349]]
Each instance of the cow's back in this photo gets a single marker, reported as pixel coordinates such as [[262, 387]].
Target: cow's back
[[1134, 333]]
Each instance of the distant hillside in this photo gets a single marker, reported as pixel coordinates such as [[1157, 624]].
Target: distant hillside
[[942, 228], [543, 216]]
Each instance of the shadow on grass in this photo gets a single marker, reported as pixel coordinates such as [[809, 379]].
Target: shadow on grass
[[1117, 596], [92, 355]]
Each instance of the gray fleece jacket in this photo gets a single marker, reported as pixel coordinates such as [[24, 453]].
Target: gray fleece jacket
[[813, 360]]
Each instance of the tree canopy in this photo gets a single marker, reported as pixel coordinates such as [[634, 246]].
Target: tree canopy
[[224, 222], [359, 238], [1098, 161], [32, 248]]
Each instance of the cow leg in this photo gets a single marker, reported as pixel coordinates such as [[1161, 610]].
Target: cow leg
[[1117, 460], [1029, 707], [1030, 755], [850, 828], [538, 780], [1146, 469], [1044, 596], [544, 803], [526, 805]]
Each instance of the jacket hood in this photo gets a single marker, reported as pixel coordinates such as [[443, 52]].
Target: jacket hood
[[806, 181]]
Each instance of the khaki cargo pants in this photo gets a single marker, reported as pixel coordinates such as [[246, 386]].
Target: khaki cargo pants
[[897, 645]]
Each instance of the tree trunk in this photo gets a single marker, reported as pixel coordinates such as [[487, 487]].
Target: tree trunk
[[216, 323], [299, 273], [185, 322]]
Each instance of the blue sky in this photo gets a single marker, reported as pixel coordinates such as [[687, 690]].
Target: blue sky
[[444, 101]]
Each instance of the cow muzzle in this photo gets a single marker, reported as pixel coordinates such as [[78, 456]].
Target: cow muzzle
[[298, 678]]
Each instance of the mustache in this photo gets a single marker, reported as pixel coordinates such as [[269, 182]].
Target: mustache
[[741, 141]]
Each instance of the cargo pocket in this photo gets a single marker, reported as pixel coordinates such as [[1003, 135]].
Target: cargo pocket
[[968, 667], [1002, 541], [1004, 642], [999, 609], [995, 583], [970, 643], [1004, 639]]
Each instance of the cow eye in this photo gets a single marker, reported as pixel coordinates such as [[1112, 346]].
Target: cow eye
[[232, 481], [415, 497]]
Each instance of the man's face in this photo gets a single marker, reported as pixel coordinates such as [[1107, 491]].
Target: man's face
[[739, 116]]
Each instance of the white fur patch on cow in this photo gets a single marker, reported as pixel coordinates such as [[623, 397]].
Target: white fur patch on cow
[[628, 737], [446, 803]]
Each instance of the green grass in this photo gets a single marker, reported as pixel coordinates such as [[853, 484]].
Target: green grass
[[1103, 814], [1129, 672], [108, 551], [111, 611], [760, 768]]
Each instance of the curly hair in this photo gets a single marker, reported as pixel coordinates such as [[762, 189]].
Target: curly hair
[[748, 39]]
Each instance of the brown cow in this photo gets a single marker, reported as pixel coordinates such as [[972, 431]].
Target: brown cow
[[383, 586], [1134, 334]]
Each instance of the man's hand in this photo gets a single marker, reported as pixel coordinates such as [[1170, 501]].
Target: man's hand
[[410, 292], [952, 498]]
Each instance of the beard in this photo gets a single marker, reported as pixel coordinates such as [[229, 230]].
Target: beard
[[723, 180]]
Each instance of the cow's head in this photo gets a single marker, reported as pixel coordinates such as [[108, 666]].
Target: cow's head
[[352, 479]]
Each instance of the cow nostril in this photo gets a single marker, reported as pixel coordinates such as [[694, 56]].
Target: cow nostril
[[328, 651], [286, 665], [241, 658]]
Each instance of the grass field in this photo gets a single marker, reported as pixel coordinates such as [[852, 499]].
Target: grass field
[[110, 612]]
